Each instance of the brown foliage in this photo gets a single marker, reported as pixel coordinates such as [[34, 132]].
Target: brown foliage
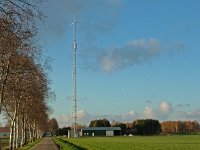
[[177, 127], [24, 86]]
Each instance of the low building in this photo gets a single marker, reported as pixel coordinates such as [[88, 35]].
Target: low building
[[101, 131], [4, 132]]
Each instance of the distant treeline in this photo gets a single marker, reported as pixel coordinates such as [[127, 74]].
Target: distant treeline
[[150, 126], [143, 127], [140, 127], [100, 123], [62, 131], [180, 127]]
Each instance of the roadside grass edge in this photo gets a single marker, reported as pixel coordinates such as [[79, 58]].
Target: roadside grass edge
[[30, 145], [64, 144]]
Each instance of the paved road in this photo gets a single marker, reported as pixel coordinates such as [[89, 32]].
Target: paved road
[[46, 144]]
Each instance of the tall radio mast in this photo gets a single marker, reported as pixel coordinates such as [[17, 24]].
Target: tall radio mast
[[74, 84]]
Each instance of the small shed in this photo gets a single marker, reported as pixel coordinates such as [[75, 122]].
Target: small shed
[[101, 131], [4, 132]]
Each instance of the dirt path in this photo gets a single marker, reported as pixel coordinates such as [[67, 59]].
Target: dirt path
[[46, 144]]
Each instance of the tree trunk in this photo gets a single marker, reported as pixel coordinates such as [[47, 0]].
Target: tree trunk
[[23, 140], [30, 133], [35, 131], [11, 135], [25, 131], [14, 134], [17, 133]]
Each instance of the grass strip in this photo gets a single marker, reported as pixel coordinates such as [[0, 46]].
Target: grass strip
[[30, 145], [4, 142], [66, 145]]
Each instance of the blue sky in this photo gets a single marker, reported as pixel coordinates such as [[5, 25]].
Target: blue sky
[[136, 58]]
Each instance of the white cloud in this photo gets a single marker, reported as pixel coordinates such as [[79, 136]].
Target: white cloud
[[182, 105], [83, 117], [149, 112], [64, 120], [165, 107], [136, 51], [107, 64], [128, 117], [163, 112], [191, 115], [95, 57], [132, 113]]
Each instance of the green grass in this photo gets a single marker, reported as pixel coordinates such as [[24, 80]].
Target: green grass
[[65, 145], [177, 142], [29, 145], [4, 143]]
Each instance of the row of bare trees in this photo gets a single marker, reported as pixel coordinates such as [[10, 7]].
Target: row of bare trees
[[179, 127], [24, 84]]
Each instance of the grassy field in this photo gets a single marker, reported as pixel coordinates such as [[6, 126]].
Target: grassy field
[[4, 143], [178, 142]]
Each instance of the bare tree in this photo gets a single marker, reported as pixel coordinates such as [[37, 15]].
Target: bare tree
[[26, 94], [24, 84], [53, 126], [9, 43], [22, 13], [18, 27]]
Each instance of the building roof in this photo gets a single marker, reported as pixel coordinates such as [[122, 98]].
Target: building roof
[[102, 128], [4, 129]]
